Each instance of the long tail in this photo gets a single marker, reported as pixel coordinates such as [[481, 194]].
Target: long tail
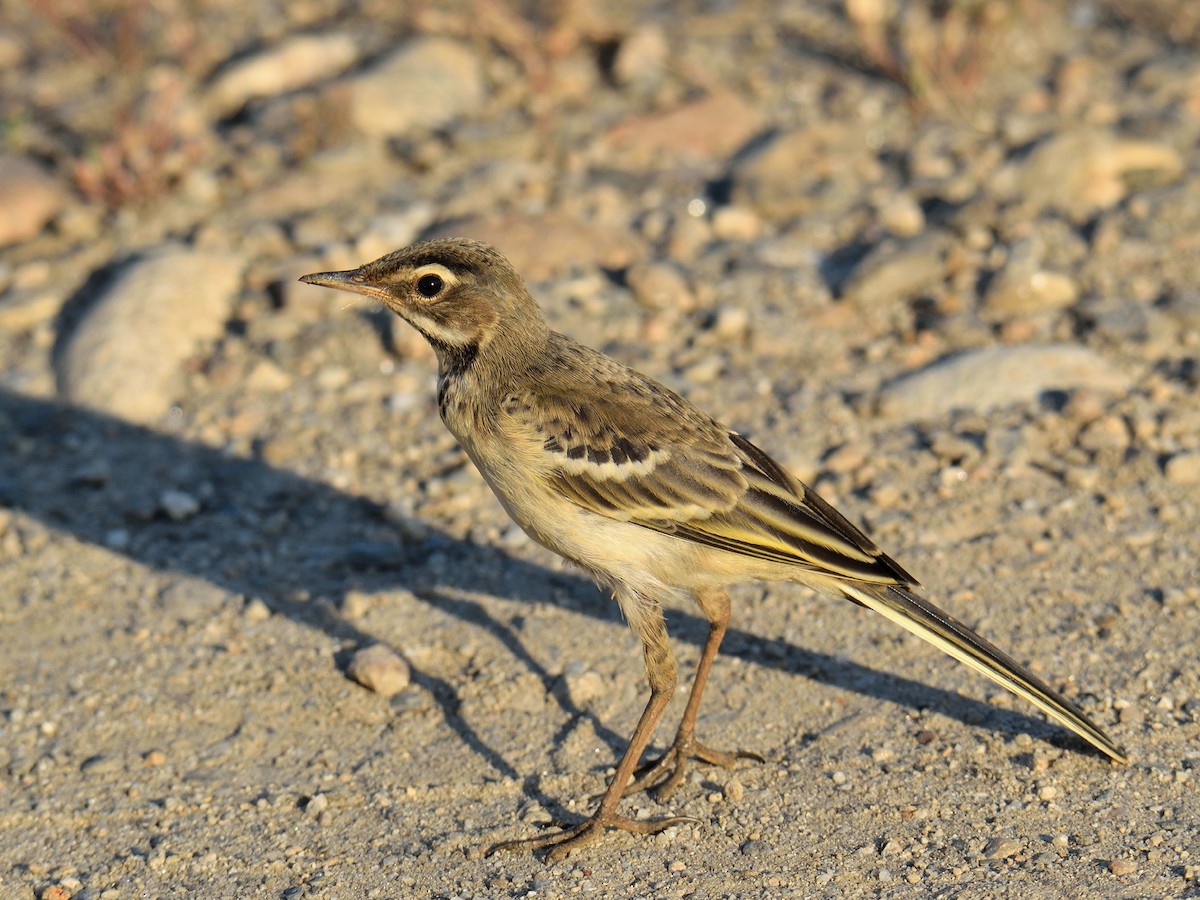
[[913, 613]]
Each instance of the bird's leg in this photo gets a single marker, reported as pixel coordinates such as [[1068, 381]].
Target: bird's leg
[[665, 773], [660, 669]]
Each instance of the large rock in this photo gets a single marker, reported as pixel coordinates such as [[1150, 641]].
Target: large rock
[[124, 356], [992, 377], [427, 83], [289, 65]]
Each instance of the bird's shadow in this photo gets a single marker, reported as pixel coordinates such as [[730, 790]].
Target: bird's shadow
[[269, 533]]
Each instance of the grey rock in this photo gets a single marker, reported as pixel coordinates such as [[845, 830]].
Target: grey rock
[[1080, 172], [897, 272], [124, 357], [997, 376], [193, 599], [293, 63]]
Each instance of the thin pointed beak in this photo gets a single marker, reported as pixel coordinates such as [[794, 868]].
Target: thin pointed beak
[[349, 280]]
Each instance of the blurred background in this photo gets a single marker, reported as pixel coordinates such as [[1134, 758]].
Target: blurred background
[[924, 176]]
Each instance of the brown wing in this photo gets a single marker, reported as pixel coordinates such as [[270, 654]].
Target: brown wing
[[637, 452]]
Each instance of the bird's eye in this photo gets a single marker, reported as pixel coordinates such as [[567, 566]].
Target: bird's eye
[[429, 286]]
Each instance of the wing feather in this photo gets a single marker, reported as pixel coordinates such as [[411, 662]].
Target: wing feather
[[640, 453]]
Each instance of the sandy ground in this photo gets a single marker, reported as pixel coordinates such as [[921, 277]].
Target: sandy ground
[[763, 207]]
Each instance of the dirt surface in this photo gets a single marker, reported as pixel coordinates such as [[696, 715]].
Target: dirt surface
[[942, 262]]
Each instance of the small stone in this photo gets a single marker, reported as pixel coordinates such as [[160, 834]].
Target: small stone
[[316, 805], [641, 57], [799, 172], [580, 686], [1131, 715], [379, 669], [29, 198], [896, 272], [1024, 288], [1048, 792], [256, 610], [356, 604], [1002, 848], [427, 83], [101, 764], [736, 223], [154, 758], [1105, 433], [710, 128], [902, 216], [677, 865], [660, 286], [883, 755], [55, 892], [1183, 468], [734, 791], [193, 599], [838, 778], [1122, 867], [293, 63], [179, 506]]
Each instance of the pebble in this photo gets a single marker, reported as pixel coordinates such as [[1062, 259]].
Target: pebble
[[1183, 468], [256, 610], [316, 805], [902, 215], [641, 57], [1086, 170], [1002, 848], [1122, 867], [293, 63], [894, 273], [581, 686], [1023, 287], [659, 285], [821, 168], [993, 377], [736, 223], [192, 599], [380, 669], [710, 128], [29, 198], [101, 764], [125, 355], [426, 84], [179, 506]]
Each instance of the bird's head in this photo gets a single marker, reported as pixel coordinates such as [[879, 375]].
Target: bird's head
[[459, 294]]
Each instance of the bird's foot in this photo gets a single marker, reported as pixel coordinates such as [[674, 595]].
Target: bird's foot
[[587, 831], [665, 774]]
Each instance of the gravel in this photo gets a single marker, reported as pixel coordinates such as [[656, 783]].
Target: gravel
[[951, 284]]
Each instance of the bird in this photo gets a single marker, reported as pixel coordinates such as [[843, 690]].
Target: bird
[[652, 497]]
